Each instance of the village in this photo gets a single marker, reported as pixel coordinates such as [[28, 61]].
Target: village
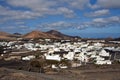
[[62, 54]]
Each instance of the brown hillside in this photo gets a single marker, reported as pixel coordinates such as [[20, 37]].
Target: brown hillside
[[60, 35], [38, 34], [6, 36]]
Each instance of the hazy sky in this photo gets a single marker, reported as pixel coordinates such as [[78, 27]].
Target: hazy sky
[[86, 18]]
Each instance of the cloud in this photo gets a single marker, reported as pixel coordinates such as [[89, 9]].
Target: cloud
[[60, 25], [40, 5], [20, 23], [38, 9], [68, 13], [50, 7], [96, 22], [107, 4], [78, 4], [8, 14], [107, 20], [56, 25], [21, 10], [15, 28], [36, 5], [98, 13], [104, 22], [43, 7]]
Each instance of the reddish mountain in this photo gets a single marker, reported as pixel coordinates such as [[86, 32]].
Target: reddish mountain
[[61, 35], [38, 34]]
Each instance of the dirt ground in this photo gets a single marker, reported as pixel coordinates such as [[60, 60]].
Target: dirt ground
[[72, 74], [9, 71]]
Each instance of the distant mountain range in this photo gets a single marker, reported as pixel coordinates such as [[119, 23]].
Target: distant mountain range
[[52, 34]]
